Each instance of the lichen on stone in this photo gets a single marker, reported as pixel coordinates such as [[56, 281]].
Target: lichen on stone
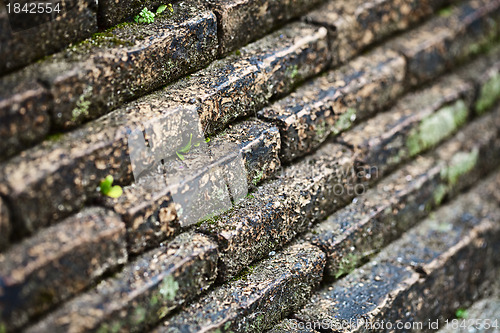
[[345, 121], [461, 163], [488, 94]]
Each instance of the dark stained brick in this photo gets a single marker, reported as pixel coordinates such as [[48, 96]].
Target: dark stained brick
[[59, 262], [123, 63], [149, 207], [418, 122], [5, 226], [243, 83], [397, 202], [242, 21], [19, 48], [354, 25], [448, 256], [444, 41], [278, 210], [331, 103], [147, 289], [258, 299], [24, 117]]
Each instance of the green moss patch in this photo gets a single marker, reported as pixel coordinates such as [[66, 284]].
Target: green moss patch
[[489, 94]]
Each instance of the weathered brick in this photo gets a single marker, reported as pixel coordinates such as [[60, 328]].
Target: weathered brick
[[58, 262], [444, 41], [242, 21], [417, 122], [354, 25], [5, 226], [397, 202], [123, 63], [329, 104], [111, 12], [148, 206], [291, 326], [57, 177], [278, 210], [448, 255], [23, 41], [484, 73], [147, 289], [256, 300], [24, 118], [243, 83]]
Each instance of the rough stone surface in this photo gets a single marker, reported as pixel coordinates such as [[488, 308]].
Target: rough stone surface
[[258, 299], [486, 310], [123, 63], [5, 226], [417, 122], [354, 25], [243, 83], [111, 12], [449, 256], [331, 103], [484, 73], [25, 41], [444, 41], [24, 118], [290, 326], [147, 289], [278, 210], [242, 21], [149, 207], [57, 263]]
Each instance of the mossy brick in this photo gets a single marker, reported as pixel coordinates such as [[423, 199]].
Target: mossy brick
[[471, 154], [147, 290], [331, 103], [21, 46], [449, 256], [57, 177], [95, 76], [291, 326], [5, 225], [259, 144], [444, 41], [280, 209], [38, 273], [242, 83], [149, 206], [484, 73], [355, 25], [240, 22], [417, 122], [257, 300], [24, 113], [399, 201]]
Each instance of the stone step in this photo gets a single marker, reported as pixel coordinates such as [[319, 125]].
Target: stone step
[[235, 160], [330, 103], [279, 209], [444, 41], [26, 37], [111, 13], [57, 263], [100, 148], [147, 289], [242, 21], [5, 226], [255, 300], [418, 122], [354, 25], [384, 212], [420, 277]]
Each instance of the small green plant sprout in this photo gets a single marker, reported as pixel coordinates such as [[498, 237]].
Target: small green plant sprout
[[185, 149], [162, 8], [145, 16], [107, 189], [461, 314]]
